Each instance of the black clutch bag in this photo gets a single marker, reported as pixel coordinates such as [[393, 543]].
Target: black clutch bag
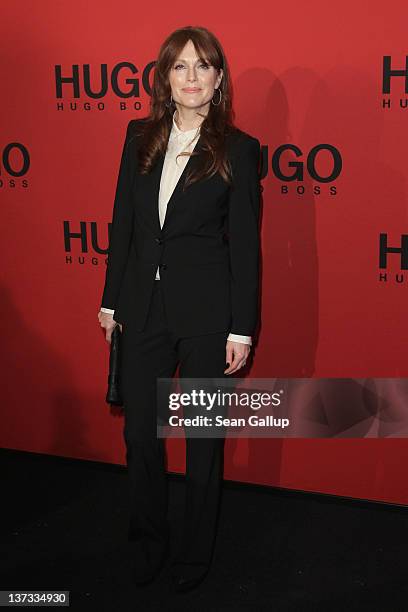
[[114, 395]]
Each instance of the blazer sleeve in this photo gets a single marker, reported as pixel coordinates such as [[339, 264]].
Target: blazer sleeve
[[121, 225], [243, 234]]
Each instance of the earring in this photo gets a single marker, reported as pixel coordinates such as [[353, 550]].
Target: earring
[[219, 101], [168, 104]]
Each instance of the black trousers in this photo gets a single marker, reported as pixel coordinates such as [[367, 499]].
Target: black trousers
[[147, 355]]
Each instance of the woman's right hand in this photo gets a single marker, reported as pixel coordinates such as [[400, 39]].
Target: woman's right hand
[[108, 323]]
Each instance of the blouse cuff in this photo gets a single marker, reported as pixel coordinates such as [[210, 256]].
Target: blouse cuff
[[239, 338], [108, 310]]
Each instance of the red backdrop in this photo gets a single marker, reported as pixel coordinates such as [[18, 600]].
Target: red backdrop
[[304, 74]]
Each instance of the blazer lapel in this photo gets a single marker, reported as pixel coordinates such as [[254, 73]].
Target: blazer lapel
[[152, 193], [152, 188], [178, 192]]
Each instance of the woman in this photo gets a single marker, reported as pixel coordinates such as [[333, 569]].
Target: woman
[[182, 282]]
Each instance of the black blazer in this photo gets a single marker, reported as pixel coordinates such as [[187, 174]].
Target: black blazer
[[208, 248]]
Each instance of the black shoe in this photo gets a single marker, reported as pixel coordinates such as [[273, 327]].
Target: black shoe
[[146, 573], [187, 576]]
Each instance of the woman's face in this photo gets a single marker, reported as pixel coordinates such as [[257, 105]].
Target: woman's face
[[192, 81]]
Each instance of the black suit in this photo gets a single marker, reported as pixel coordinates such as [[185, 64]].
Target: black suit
[[209, 284], [208, 288]]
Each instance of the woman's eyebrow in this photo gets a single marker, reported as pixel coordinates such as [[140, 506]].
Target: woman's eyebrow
[[200, 59]]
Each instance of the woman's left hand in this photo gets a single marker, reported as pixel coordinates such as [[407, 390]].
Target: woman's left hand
[[236, 354]]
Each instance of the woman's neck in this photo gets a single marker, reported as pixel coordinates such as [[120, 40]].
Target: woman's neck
[[188, 122]]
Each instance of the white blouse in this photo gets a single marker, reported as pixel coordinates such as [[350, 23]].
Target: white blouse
[[172, 169]]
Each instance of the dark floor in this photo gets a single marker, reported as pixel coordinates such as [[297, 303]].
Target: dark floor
[[65, 527]]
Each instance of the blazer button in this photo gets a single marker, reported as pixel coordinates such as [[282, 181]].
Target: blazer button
[[163, 266], [159, 240]]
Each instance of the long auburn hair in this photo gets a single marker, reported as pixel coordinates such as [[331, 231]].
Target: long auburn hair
[[219, 121]]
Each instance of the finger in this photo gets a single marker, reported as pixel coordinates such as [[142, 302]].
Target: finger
[[233, 367], [240, 356], [229, 353], [241, 364], [233, 363], [236, 365]]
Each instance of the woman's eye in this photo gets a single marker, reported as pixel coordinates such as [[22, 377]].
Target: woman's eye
[[201, 65]]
